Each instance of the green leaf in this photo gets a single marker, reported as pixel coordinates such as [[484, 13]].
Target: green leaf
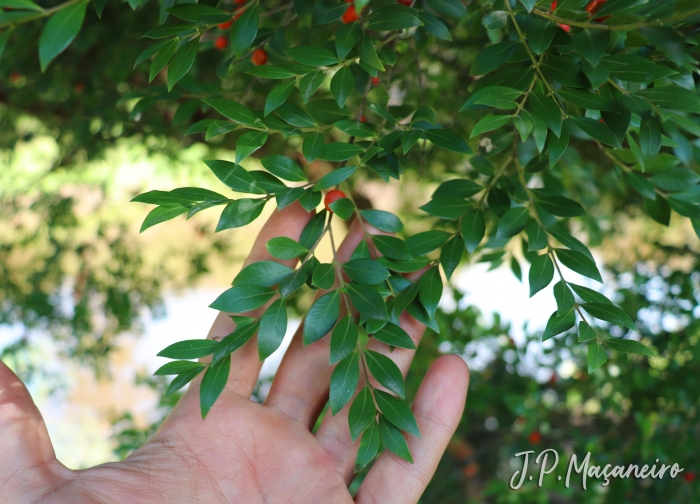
[[182, 379], [491, 58], [684, 208], [342, 84], [434, 26], [566, 239], [427, 241], [597, 75], [597, 130], [59, 32], [321, 317], [198, 12], [313, 230], [450, 255], [278, 96], [393, 17], [473, 229], [630, 346], [346, 38], [168, 30], [323, 276], [544, 107], [384, 221], [631, 68], [489, 123], [430, 290], [213, 384], [536, 237], [585, 332], [461, 188], [675, 179], [541, 273], [20, 4], [361, 414], [395, 336], [244, 30], [239, 337], [217, 128], [366, 271], [343, 208], [309, 84], [580, 263], [161, 214], [512, 222], [234, 176], [585, 99], [558, 324], [392, 437], [658, 209], [313, 147], [249, 143], [343, 339], [589, 295], [385, 372], [313, 56], [234, 111], [282, 247], [340, 151], [177, 367], [283, 167], [242, 298], [541, 37], [368, 55], [397, 412], [450, 8], [368, 446], [392, 247], [182, 62], [271, 72], [564, 297], [344, 382], [262, 273], [447, 207], [610, 313], [448, 140], [189, 349], [649, 139], [240, 213], [273, 326], [335, 177], [559, 205], [292, 282], [596, 356], [367, 301], [591, 44], [162, 59]]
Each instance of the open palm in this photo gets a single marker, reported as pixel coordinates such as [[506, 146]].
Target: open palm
[[243, 451]]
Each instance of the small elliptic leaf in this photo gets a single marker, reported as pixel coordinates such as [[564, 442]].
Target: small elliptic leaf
[[385, 371], [213, 384], [344, 382], [361, 413], [596, 356], [343, 339]]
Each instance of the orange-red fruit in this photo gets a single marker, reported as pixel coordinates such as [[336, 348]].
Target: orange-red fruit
[[535, 437], [332, 196], [240, 2], [363, 119], [405, 2], [350, 15], [259, 57], [221, 43], [689, 476], [226, 25], [375, 80]]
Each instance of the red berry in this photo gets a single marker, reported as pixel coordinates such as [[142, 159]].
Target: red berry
[[350, 15], [689, 476], [554, 5], [407, 3], [535, 437], [240, 2], [226, 25], [259, 57], [221, 43], [332, 196], [363, 119], [375, 80]]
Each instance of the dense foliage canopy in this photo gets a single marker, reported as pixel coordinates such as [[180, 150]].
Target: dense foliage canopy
[[542, 129]]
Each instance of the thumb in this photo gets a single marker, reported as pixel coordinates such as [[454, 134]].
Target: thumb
[[24, 440]]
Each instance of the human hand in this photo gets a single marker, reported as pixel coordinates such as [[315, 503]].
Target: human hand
[[244, 451]]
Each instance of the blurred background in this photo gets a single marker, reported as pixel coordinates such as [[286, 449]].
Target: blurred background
[[86, 301]]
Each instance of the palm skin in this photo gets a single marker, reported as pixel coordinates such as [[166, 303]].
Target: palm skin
[[243, 452]]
